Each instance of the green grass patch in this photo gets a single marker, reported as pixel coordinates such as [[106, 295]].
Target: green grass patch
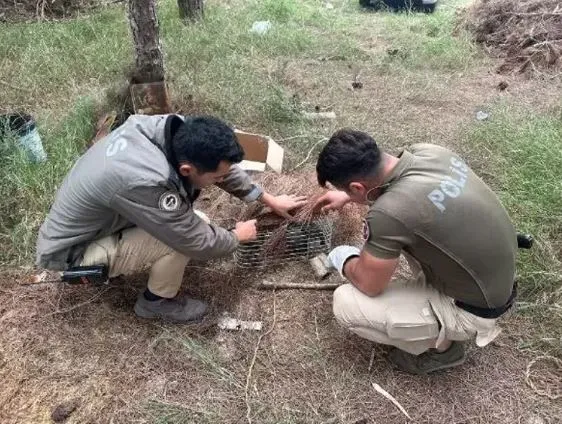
[[520, 152], [28, 189], [419, 42], [46, 63]]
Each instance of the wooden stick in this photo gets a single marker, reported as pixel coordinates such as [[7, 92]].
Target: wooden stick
[[299, 286]]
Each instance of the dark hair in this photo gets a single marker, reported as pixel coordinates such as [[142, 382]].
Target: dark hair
[[205, 141], [348, 155]]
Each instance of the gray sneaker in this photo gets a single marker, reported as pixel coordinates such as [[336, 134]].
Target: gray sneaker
[[178, 309], [429, 361]]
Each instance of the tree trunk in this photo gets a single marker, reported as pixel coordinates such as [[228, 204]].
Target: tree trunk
[[148, 50], [191, 10]]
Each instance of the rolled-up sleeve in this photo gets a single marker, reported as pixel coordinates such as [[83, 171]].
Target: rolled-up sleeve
[[167, 216], [385, 236]]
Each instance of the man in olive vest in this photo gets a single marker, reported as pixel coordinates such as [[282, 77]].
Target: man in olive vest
[[428, 205]]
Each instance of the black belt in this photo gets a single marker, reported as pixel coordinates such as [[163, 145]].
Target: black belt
[[489, 312]]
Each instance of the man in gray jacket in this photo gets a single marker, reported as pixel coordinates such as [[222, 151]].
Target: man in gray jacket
[[128, 203]]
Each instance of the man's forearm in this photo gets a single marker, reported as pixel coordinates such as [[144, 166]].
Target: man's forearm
[[239, 184], [266, 198], [363, 280]]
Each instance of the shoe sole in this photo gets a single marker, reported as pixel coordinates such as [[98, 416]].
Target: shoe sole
[[446, 366], [152, 315], [440, 368]]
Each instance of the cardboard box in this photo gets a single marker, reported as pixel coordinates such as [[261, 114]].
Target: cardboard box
[[260, 151]]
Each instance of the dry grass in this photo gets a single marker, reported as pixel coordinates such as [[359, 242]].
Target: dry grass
[[526, 34], [120, 368]]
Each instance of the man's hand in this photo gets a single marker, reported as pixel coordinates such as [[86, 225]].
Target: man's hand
[[246, 231], [332, 201], [283, 204]]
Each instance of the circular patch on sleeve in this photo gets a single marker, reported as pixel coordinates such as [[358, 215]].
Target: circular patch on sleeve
[[169, 201], [366, 230]]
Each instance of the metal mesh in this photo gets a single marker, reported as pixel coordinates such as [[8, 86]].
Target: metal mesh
[[277, 246]]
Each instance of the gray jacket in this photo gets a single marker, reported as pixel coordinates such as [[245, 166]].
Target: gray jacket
[[129, 179]]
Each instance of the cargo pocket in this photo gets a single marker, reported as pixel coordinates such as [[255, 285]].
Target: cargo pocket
[[412, 322], [101, 252]]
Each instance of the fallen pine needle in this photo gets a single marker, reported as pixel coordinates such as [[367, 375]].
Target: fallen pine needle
[[390, 398]]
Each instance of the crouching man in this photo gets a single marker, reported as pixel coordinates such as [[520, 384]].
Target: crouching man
[[128, 203], [459, 241]]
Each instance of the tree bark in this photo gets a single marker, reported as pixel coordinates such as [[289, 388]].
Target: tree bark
[[191, 10], [149, 62]]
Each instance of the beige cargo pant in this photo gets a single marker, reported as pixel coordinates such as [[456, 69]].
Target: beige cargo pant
[[135, 250], [410, 315]]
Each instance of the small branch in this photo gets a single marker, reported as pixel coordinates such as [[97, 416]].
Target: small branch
[[536, 14], [7, 84], [90, 300], [251, 367], [309, 153], [390, 398], [300, 286], [547, 393], [292, 138]]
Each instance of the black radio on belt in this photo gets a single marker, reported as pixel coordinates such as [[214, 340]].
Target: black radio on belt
[[524, 241], [95, 274]]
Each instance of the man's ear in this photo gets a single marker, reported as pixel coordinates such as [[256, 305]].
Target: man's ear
[[186, 169], [356, 188]]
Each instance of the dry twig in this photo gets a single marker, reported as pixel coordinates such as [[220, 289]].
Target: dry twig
[[79, 305], [252, 363], [553, 379], [309, 153], [390, 398], [301, 286]]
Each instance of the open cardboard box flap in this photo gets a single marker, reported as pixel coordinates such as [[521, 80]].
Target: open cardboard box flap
[[259, 151]]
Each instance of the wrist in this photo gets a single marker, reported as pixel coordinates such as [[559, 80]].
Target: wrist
[[348, 265], [266, 198]]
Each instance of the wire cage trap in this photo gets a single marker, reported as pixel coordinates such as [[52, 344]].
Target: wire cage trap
[[286, 243]]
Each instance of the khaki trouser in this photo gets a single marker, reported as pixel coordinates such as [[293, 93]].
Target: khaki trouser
[[410, 315], [134, 250]]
